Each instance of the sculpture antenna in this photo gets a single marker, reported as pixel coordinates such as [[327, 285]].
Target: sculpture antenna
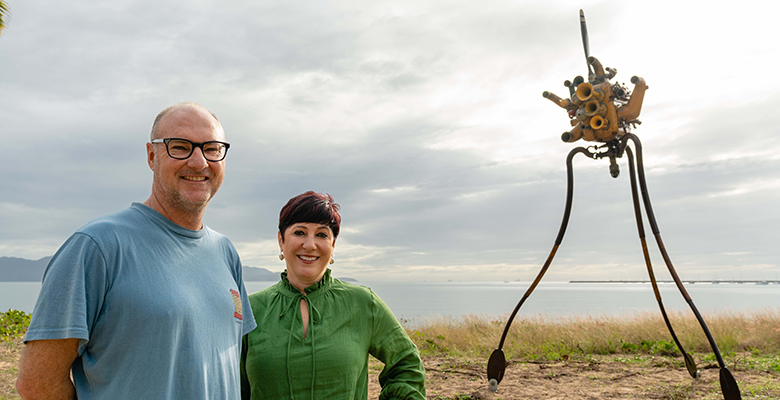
[[585, 44]]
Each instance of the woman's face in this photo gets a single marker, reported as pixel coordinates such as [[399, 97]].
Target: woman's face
[[307, 249]]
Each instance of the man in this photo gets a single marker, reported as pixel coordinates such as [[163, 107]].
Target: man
[[146, 303]]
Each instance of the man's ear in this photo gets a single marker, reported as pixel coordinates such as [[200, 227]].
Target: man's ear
[[150, 155]]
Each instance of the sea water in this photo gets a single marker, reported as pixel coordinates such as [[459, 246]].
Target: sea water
[[415, 302]]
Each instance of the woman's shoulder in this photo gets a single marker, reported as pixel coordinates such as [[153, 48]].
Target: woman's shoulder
[[354, 290]]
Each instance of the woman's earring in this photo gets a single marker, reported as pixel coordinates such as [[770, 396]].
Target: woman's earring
[[281, 256], [331, 261]]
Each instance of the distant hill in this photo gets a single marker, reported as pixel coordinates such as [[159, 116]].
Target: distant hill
[[259, 274], [13, 269]]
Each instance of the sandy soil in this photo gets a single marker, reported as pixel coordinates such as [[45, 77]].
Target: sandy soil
[[598, 378], [9, 363]]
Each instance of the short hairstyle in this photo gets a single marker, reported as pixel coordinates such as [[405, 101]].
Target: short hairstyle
[[162, 113], [310, 207]]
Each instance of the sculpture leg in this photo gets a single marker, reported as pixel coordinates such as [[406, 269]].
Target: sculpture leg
[[497, 362], [728, 384], [690, 364]]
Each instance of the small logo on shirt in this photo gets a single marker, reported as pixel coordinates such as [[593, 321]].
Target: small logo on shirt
[[236, 304]]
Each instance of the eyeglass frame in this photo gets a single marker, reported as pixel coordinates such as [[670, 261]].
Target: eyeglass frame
[[192, 150]]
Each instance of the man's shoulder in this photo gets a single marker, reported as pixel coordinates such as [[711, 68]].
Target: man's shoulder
[[214, 235], [119, 220]]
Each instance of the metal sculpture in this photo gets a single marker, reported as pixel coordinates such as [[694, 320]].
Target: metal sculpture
[[605, 112]]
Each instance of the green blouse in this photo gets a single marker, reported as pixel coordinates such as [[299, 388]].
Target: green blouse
[[346, 324]]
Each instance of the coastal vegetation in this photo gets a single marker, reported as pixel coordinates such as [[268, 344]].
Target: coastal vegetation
[[630, 356], [556, 338], [633, 355], [3, 15], [13, 324]]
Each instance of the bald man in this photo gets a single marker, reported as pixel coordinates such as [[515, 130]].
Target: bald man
[[146, 303]]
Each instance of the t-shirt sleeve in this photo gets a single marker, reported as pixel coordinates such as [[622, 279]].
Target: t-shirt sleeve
[[404, 375], [248, 317], [72, 293], [248, 320]]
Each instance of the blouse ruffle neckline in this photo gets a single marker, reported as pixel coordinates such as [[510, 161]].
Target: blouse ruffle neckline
[[323, 284]]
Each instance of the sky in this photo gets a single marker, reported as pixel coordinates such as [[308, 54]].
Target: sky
[[424, 120]]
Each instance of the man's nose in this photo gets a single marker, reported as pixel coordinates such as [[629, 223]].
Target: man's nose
[[197, 159]]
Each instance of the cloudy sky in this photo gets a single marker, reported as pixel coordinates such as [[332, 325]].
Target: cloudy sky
[[424, 119]]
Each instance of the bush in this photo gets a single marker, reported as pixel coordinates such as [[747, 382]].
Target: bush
[[13, 324]]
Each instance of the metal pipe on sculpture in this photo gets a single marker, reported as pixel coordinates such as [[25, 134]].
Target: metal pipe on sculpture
[[598, 70], [690, 364], [578, 80], [497, 363], [611, 72], [728, 384], [630, 111], [569, 85], [573, 135], [563, 103]]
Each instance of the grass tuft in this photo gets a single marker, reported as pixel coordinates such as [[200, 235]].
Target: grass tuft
[[546, 338]]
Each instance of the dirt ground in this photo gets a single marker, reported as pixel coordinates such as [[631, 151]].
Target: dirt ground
[[613, 377], [599, 378], [9, 363]]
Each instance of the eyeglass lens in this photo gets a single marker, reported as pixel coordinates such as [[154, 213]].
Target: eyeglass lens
[[181, 149]]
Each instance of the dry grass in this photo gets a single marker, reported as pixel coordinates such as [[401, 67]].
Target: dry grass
[[549, 338], [10, 352], [619, 353], [629, 356]]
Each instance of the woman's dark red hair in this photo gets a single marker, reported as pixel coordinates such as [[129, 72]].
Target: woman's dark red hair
[[311, 207]]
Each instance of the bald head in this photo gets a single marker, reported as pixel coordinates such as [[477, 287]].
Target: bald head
[[179, 107]]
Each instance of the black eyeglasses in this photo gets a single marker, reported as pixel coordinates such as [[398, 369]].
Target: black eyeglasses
[[181, 149]]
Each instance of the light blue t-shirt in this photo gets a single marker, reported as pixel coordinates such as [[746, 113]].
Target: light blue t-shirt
[[159, 309]]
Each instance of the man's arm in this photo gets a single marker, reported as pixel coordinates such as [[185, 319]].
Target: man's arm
[[45, 370]]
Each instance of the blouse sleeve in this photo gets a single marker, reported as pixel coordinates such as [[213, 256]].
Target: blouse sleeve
[[403, 376]]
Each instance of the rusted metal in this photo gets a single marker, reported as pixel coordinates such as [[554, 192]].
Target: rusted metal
[[690, 364], [601, 111], [729, 386], [496, 363], [615, 109]]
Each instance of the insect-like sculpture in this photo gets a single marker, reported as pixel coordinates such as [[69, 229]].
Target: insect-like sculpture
[[605, 112]]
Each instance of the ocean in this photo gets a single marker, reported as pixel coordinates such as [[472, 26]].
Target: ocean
[[416, 302]]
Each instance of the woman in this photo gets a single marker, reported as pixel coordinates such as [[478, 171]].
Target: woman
[[314, 333]]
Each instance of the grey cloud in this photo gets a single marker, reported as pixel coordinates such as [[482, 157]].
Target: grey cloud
[[336, 97]]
